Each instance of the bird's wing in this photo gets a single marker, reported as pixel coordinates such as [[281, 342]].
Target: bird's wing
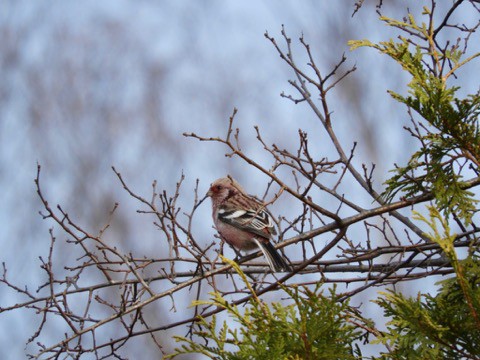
[[258, 222]]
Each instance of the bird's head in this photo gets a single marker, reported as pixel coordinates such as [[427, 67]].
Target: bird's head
[[224, 188]]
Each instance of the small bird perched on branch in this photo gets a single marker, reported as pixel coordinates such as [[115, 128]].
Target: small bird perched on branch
[[243, 222]]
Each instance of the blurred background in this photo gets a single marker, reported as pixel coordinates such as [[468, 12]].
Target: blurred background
[[93, 84]]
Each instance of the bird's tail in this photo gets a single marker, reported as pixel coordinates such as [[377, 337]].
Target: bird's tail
[[275, 260]]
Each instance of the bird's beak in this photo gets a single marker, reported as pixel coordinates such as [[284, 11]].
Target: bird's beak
[[209, 192]]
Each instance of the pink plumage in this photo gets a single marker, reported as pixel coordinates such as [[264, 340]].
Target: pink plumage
[[243, 222]]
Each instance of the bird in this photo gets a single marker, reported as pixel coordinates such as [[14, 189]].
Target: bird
[[244, 222]]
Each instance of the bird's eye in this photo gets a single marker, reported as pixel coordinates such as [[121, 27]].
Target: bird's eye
[[219, 187]]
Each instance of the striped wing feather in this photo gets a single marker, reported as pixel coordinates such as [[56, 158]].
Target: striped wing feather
[[249, 220]]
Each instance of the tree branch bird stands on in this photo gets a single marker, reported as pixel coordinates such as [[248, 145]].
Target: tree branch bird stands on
[[243, 222]]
